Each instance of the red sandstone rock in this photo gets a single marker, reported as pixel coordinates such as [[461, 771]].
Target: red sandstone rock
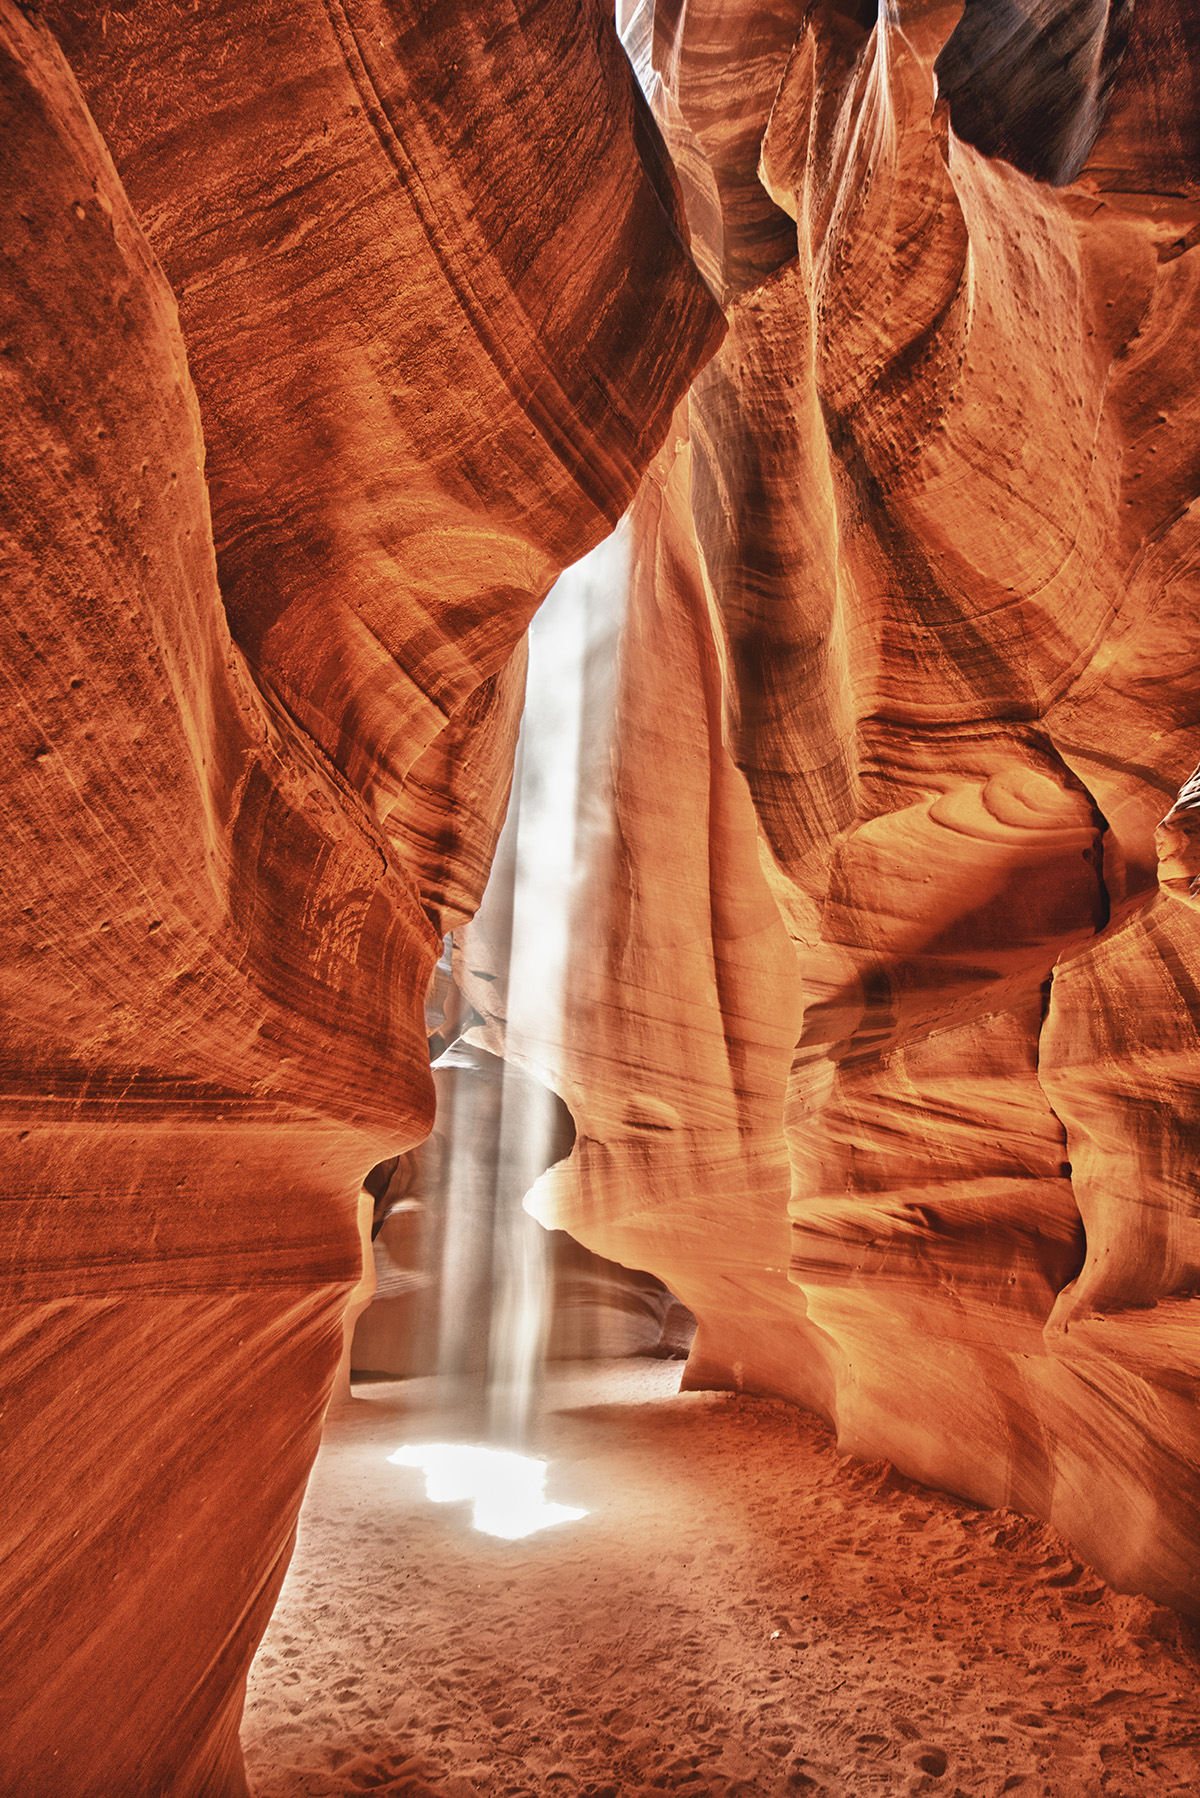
[[908, 685], [431, 358], [923, 614]]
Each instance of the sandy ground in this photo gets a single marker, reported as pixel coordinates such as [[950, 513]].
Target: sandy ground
[[742, 1611]]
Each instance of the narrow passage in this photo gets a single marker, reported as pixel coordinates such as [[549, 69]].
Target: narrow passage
[[742, 1611]]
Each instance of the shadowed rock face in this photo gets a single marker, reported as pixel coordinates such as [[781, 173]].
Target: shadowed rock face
[[1031, 81], [909, 683], [262, 709]]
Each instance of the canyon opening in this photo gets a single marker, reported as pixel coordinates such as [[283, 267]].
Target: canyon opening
[[601, 1021]]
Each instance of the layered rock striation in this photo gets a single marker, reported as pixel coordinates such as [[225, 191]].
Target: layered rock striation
[[332, 330], [315, 373], [892, 1072]]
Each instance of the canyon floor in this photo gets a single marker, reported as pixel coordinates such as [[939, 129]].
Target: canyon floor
[[742, 1611]]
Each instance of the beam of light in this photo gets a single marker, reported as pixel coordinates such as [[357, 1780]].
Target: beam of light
[[508, 1490], [496, 1284]]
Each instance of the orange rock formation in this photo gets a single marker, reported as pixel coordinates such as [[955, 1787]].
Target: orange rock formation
[[909, 683], [263, 642], [331, 330]]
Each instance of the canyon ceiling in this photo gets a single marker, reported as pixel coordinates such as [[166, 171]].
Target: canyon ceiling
[[331, 331]]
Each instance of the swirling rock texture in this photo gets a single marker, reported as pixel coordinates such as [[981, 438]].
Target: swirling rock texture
[[331, 330], [314, 373], [908, 683]]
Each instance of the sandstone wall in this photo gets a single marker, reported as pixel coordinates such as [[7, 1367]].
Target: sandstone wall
[[314, 373], [330, 332], [890, 1068]]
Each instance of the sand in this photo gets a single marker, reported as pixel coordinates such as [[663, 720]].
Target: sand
[[741, 1611]]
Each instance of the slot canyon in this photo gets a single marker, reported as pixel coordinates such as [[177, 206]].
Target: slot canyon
[[601, 864]]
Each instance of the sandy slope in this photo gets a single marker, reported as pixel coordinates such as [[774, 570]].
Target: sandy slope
[[741, 1611]]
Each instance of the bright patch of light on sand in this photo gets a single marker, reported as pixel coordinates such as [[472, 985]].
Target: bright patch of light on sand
[[508, 1490]]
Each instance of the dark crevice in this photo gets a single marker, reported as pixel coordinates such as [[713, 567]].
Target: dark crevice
[[1029, 80], [862, 12]]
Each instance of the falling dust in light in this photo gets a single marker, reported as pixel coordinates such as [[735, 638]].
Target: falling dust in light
[[508, 1490], [572, 651], [495, 1278]]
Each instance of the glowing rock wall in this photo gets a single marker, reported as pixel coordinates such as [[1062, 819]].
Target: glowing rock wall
[[314, 373], [890, 1067], [330, 333]]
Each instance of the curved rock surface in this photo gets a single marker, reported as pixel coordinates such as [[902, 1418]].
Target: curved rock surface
[[262, 714], [332, 330], [909, 682]]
